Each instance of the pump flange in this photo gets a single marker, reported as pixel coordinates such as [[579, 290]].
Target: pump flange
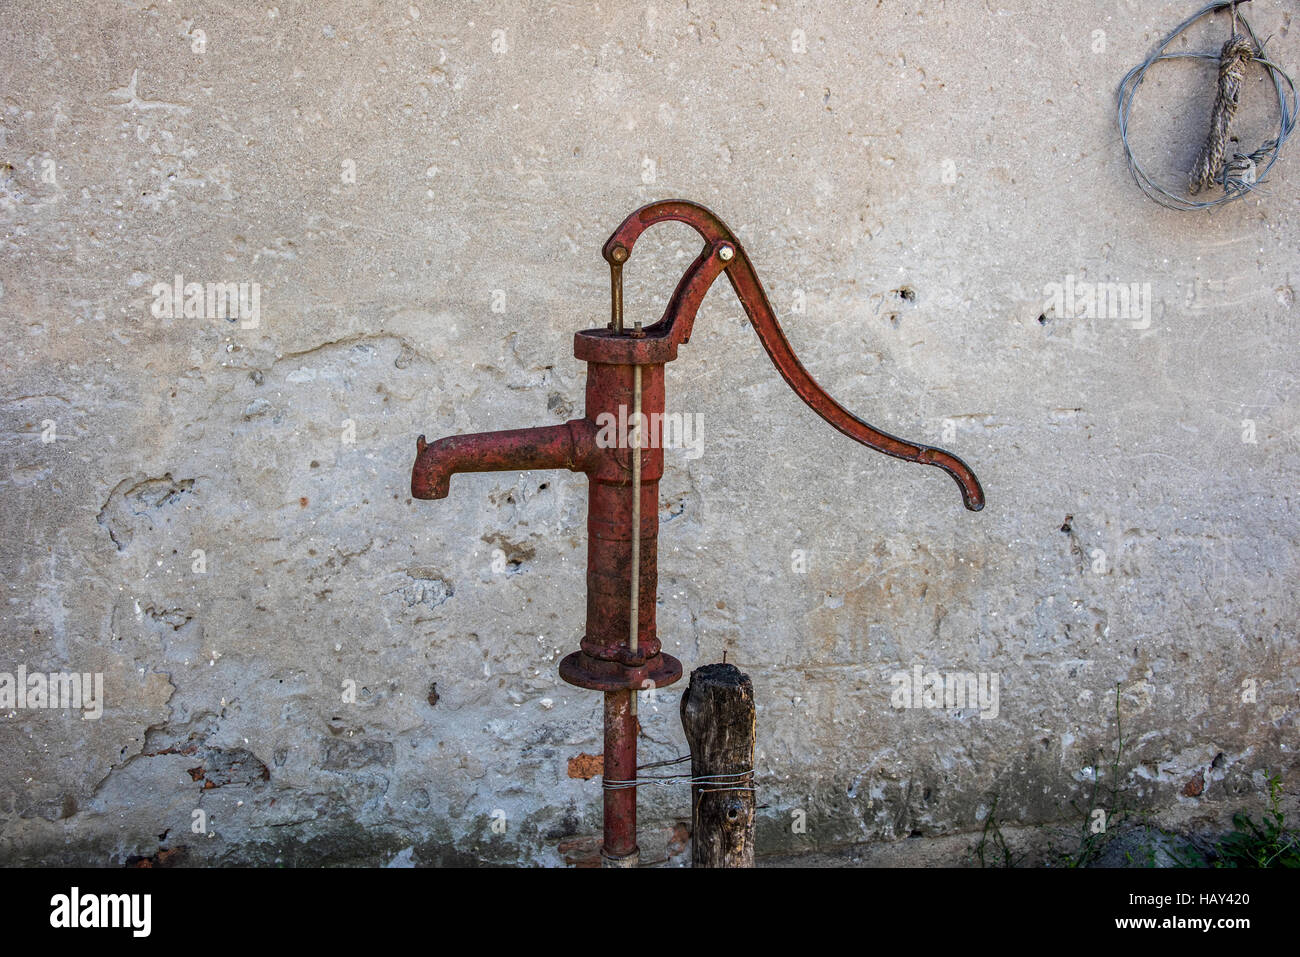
[[598, 674]]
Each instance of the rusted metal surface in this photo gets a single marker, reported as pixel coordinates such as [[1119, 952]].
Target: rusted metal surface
[[680, 315], [565, 446], [620, 765], [614, 657]]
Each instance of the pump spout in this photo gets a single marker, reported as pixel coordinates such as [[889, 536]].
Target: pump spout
[[566, 446]]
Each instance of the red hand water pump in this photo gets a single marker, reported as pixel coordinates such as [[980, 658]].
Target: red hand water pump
[[620, 652]]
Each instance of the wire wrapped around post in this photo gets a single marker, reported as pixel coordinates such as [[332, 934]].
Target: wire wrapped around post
[[718, 716]]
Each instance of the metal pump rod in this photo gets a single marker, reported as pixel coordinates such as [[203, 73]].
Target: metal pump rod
[[634, 592]]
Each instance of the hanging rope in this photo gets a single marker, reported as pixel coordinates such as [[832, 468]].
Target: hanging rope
[[1237, 52], [1241, 173]]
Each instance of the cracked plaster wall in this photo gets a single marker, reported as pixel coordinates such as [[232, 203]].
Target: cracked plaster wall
[[221, 525]]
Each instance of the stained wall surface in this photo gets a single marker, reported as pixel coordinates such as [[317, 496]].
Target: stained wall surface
[[302, 664]]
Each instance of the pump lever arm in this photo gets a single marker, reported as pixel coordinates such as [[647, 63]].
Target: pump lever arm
[[723, 253]]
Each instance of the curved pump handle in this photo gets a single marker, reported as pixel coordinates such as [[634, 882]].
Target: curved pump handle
[[723, 253]]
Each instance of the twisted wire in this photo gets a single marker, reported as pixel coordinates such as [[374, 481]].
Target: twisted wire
[[1241, 174], [730, 781]]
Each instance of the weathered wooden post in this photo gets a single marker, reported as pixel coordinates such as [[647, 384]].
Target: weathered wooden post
[[718, 716]]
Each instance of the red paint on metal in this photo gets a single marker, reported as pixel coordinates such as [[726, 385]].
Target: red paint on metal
[[620, 765], [598, 446], [676, 326], [565, 446]]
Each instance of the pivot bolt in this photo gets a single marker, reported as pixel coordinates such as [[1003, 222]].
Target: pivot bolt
[[725, 253]]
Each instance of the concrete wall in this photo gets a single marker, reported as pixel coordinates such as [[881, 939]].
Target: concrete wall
[[215, 515]]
